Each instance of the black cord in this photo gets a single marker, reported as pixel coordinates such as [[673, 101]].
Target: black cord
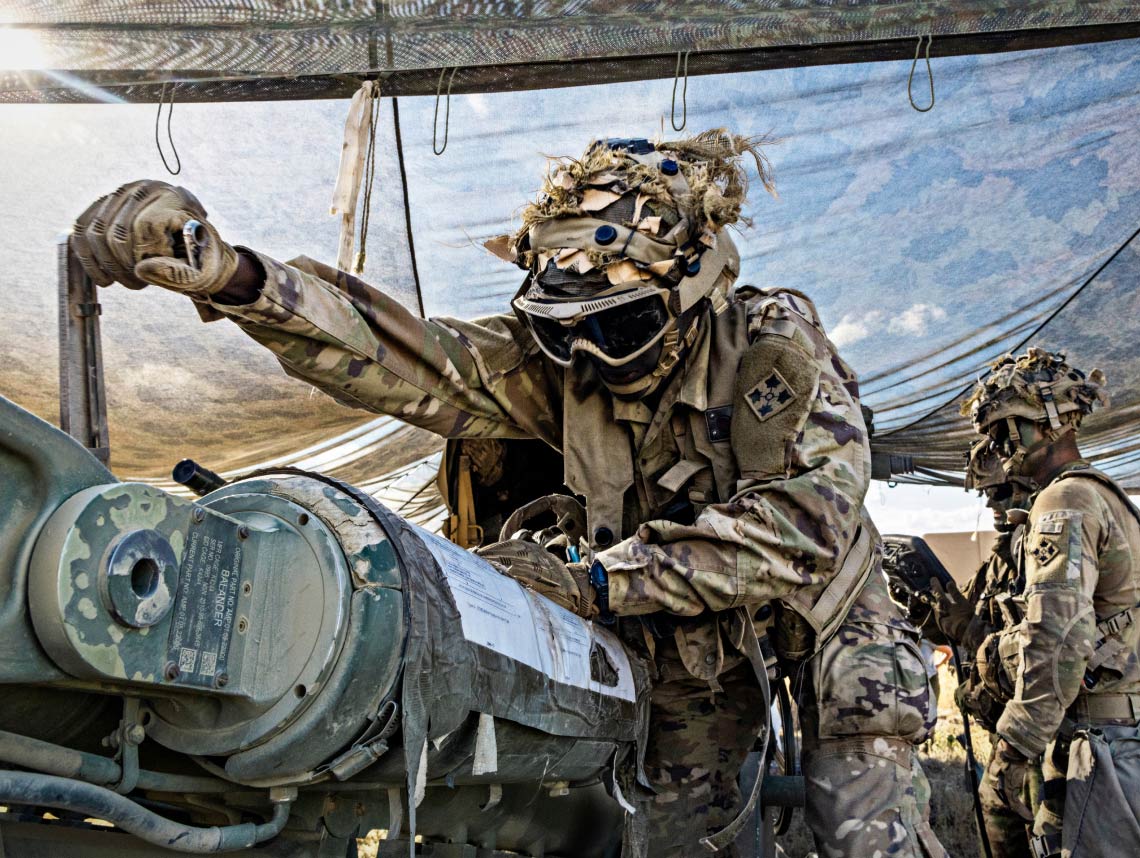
[[1021, 344], [407, 206], [169, 134], [369, 175]]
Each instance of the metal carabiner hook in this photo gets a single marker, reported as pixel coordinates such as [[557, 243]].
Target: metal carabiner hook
[[684, 94], [929, 74], [439, 150]]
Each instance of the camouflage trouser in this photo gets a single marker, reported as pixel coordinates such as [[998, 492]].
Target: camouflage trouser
[[1009, 833], [698, 740], [865, 702], [866, 792]]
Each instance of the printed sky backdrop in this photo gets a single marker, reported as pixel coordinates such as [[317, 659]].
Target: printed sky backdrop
[[931, 242]]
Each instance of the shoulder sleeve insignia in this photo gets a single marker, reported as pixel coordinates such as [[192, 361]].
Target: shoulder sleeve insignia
[[771, 396], [1044, 552]]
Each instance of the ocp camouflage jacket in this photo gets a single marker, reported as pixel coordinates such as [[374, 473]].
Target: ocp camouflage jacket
[[1079, 639], [759, 434]]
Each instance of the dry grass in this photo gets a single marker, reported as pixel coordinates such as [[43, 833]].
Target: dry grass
[[943, 759]]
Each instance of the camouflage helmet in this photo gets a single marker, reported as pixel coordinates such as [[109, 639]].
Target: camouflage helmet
[[624, 242], [1038, 386]]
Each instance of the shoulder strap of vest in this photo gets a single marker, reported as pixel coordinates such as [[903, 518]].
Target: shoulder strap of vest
[[1091, 473], [829, 610]]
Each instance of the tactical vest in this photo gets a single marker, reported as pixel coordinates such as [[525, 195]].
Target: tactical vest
[[1110, 643], [600, 461]]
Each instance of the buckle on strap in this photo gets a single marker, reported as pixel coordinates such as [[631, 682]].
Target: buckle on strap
[[1116, 623], [1045, 846]]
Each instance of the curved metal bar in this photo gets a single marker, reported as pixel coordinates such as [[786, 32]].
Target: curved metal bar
[[95, 801], [29, 753]]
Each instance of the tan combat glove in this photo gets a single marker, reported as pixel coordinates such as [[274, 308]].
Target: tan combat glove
[[132, 236], [1004, 780], [565, 584], [952, 610]]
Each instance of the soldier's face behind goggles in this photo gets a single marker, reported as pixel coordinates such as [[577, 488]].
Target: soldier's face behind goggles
[[615, 329]]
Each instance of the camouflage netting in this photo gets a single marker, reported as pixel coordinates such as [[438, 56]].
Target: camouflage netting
[[932, 243], [219, 50]]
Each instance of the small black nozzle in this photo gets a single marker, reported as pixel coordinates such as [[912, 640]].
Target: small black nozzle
[[199, 480]]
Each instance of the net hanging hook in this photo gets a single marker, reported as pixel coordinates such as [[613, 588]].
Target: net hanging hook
[[439, 150], [929, 75], [169, 134], [680, 70]]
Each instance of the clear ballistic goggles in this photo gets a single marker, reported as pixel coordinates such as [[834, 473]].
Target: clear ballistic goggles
[[615, 328]]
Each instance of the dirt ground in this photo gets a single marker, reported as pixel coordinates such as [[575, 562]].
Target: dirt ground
[[943, 759]]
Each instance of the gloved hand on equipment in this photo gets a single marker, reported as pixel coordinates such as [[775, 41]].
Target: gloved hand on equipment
[[565, 584], [952, 611], [1004, 779], [135, 236]]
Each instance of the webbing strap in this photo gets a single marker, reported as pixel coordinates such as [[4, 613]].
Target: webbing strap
[[727, 835], [1105, 480], [1104, 707], [1116, 623], [1045, 846], [829, 610]]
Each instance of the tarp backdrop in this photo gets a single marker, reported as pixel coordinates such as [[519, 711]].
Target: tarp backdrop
[[931, 242]]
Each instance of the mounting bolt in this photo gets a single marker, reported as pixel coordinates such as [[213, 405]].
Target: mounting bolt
[[171, 672], [559, 789], [243, 532], [222, 680], [282, 795], [198, 514], [135, 734]]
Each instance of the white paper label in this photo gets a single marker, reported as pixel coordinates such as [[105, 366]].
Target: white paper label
[[500, 614]]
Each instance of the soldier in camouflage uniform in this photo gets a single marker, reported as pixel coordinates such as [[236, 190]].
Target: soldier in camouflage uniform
[[1071, 662], [978, 615], [716, 436]]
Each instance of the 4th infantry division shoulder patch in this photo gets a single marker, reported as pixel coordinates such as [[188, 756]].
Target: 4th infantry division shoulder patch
[[1044, 552], [770, 396]]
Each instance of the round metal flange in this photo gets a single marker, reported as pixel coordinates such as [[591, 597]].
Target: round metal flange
[[140, 578]]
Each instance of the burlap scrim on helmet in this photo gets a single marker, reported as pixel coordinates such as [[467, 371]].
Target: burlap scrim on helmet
[[686, 205], [1039, 386]]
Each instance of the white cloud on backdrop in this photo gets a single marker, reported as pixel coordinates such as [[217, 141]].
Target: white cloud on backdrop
[[853, 328], [916, 319]]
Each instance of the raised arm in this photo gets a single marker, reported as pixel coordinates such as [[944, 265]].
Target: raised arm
[[458, 379]]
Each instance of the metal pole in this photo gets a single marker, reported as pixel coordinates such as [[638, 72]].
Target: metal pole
[[82, 400], [971, 760]]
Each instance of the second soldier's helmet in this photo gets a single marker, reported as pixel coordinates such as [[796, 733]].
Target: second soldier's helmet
[[626, 243], [1038, 386]]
